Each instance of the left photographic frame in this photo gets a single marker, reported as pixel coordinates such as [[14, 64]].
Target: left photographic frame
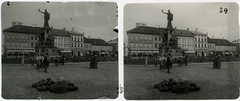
[[59, 50]]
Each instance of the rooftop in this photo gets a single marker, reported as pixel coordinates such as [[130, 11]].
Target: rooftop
[[220, 42], [95, 41]]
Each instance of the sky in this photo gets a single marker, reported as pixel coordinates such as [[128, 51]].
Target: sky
[[204, 16], [95, 19]]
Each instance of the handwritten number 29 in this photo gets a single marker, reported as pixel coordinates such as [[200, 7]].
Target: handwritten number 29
[[225, 10]]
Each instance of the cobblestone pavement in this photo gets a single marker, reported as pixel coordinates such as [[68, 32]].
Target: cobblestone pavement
[[215, 83], [92, 83]]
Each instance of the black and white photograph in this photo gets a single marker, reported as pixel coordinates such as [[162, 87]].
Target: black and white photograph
[[59, 50], [181, 51]]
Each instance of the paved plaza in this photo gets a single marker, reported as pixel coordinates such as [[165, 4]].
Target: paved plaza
[[215, 83], [92, 83]]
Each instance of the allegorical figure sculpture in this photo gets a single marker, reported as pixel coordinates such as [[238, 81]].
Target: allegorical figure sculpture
[[170, 19], [46, 18]]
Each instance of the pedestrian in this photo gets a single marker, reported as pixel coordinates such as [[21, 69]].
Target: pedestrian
[[155, 61], [186, 60], [41, 58], [92, 61], [218, 62], [38, 61], [56, 61], [62, 59], [169, 62], [161, 62], [95, 61], [32, 60], [164, 59], [179, 61], [45, 62]]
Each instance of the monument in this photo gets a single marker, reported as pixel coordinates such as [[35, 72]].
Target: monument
[[169, 39], [46, 40]]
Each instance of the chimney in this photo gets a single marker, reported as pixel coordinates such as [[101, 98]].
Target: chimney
[[51, 27], [64, 29], [196, 29], [73, 29], [175, 27], [187, 29], [14, 23], [137, 24]]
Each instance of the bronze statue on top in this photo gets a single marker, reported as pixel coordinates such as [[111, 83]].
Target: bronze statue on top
[[170, 18], [46, 18]]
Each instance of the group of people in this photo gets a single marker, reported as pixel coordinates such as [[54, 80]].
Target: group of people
[[166, 61], [217, 62], [43, 61], [93, 61]]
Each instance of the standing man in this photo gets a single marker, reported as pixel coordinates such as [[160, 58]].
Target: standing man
[[186, 60], [45, 62], [155, 61], [62, 59], [95, 59], [161, 62], [169, 62], [218, 61]]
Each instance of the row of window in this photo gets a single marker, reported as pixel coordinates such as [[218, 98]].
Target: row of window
[[61, 39], [22, 45], [77, 39], [146, 38], [136, 45], [201, 45], [79, 45], [185, 40], [201, 39], [62, 45], [102, 48], [150, 54], [20, 37], [186, 46]]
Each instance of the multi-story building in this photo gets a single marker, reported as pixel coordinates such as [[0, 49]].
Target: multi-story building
[[62, 40], [200, 43], [211, 46], [98, 46], [146, 41], [237, 44], [224, 46], [114, 44], [20, 40], [87, 47], [77, 43], [185, 41]]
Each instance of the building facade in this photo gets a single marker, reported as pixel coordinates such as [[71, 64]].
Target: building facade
[[237, 44], [20, 40], [145, 41], [98, 46], [201, 46], [185, 41], [77, 43], [223, 46]]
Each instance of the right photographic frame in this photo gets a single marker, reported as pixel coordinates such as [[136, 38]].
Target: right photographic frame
[[181, 51]]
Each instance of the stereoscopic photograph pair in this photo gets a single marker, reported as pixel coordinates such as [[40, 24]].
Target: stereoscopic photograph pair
[[71, 50]]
